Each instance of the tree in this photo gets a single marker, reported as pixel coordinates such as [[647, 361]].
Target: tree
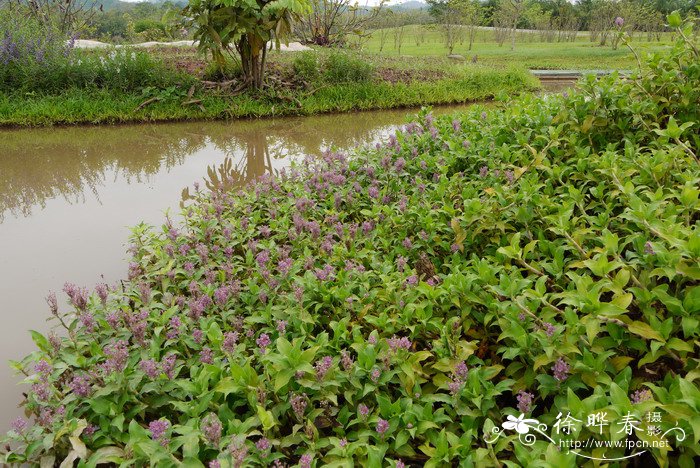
[[331, 21], [383, 23], [474, 16], [449, 15], [508, 14], [68, 16], [246, 26]]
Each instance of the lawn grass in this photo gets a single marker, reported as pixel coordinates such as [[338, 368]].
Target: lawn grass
[[464, 83], [529, 51]]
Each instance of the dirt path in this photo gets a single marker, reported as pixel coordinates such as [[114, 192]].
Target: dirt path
[[89, 44]]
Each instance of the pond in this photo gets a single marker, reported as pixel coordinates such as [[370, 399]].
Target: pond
[[68, 197]]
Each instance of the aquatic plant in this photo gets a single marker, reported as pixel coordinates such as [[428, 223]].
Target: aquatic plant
[[565, 274]]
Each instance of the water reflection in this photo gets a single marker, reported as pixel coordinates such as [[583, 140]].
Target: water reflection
[[76, 162], [68, 196]]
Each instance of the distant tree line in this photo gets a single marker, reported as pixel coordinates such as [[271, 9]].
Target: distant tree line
[[546, 20]]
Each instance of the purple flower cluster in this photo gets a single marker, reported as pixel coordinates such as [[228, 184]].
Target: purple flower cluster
[[150, 368], [42, 390], [53, 303], [363, 410], [281, 326], [206, 356], [549, 329], [263, 445], [346, 360], [649, 249], [263, 342], [211, 428], [168, 365], [560, 370], [525, 400], [19, 425], [117, 355], [299, 403], [88, 321], [641, 395], [305, 460], [238, 451], [158, 429], [395, 343], [43, 368], [221, 295], [16, 47], [78, 296], [102, 291], [174, 331], [459, 376], [229, 343], [325, 274], [382, 426], [323, 366]]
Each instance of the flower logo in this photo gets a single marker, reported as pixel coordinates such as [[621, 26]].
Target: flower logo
[[520, 424]]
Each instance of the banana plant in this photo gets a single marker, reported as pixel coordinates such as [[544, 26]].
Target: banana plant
[[242, 30]]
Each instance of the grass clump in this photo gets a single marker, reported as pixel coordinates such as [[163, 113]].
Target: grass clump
[[336, 67], [306, 67], [340, 67], [394, 305]]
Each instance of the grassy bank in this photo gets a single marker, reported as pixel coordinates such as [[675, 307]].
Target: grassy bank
[[92, 105]]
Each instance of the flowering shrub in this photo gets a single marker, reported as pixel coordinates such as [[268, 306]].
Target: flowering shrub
[[396, 304], [120, 69], [28, 48], [35, 57]]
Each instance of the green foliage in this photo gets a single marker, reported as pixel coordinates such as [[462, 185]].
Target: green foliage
[[333, 68], [222, 26], [229, 71], [306, 66], [341, 67], [116, 69], [390, 305], [146, 24]]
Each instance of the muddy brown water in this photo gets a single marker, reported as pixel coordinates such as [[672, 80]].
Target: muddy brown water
[[68, 197]]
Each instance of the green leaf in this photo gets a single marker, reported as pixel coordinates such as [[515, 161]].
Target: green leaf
[[266, 418], [645, 331], [40, 341], [282, 378], [674, 19]]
